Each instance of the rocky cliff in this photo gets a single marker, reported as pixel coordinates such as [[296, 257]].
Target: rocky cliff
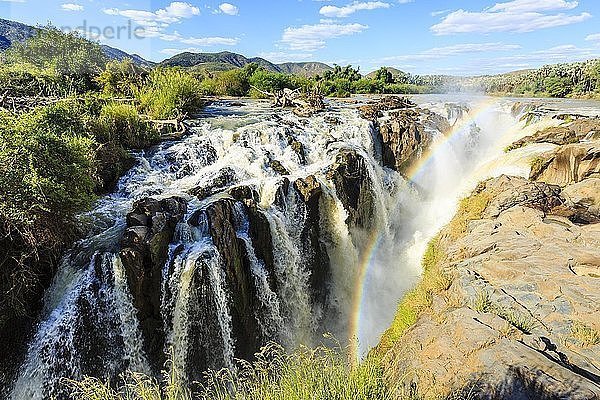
[[517, 312]]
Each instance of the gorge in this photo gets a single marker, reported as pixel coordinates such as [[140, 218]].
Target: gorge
[[264, 226]]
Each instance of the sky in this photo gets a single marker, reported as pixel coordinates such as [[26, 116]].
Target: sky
[[462, 37]]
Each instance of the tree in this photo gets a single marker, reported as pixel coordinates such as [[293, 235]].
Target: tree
[[384, 75], [557, 87], [66, 54]]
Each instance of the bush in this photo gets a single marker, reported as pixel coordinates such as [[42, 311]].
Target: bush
[[120, 78], [168, 93], [66, 55], [120, 123], [233, 83]]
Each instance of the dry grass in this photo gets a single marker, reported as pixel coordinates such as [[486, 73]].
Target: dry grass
[[585, 335]]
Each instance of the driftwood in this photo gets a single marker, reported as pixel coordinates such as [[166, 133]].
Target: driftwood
[[304, 104], [170, 129]]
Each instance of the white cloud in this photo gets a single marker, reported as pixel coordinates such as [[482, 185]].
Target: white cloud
[[593, 38], [313, 37], [345, 11], [511, 16], [458, 49], [534, 5], [174, 12], [229, 9], [71, 7]]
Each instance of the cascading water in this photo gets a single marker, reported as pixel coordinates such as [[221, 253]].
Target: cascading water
[[257, 256]]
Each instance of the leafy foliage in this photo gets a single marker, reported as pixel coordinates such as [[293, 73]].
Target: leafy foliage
[[68, 56], [120, 123], [168, 93], [121, 78]]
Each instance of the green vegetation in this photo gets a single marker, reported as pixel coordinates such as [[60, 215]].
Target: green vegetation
[[65, 132], [580, 79], [434, 280], [321, 373]]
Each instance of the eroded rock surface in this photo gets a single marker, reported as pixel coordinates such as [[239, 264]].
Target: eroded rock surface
[[403, 131], [524, 281]]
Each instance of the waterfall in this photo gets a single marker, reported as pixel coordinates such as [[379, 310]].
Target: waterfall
[[257, 256]]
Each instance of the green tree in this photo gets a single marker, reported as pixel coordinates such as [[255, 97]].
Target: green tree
[[384, 75], [557, 87], [66, 54]]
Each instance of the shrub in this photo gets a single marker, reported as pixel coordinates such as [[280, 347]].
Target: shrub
[[233, 83], [67, 55], [120, 123], [168, 93], [120, 78]]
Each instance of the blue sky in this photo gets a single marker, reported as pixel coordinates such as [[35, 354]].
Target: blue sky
[[460, 37]]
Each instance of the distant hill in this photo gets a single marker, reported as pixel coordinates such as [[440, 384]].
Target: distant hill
[[120, 55], [16, 32], [234, 60], [304, 68], [11, 32], [395, 72]]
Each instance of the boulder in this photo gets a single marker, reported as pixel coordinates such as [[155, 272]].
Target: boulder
[[350, 176], [570, 164], [144, 250]]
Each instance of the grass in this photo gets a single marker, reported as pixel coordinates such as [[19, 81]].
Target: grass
[[585, 335], [320, 373], [482, 302], [469, 209], [435, 280], [169, 93], [523, 322], [537, 165]]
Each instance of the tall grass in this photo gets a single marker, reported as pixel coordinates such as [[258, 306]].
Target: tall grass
[[319, 373]]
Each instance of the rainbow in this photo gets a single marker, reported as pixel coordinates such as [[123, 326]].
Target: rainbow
[[371, 245]]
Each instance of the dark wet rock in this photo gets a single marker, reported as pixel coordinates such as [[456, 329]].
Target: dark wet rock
[[238, 275], [298, 148], [144, 250], [406, 135], [350, 176], [314, 250], [214, 183], [374, 110], [332, 120], [244, 192], [309, 188], [278, 167]]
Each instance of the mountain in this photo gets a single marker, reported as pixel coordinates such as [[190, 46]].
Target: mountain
[[119, 55], [395, 72], [234, 60], [16, 32], [304, 68], [11, 31]]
